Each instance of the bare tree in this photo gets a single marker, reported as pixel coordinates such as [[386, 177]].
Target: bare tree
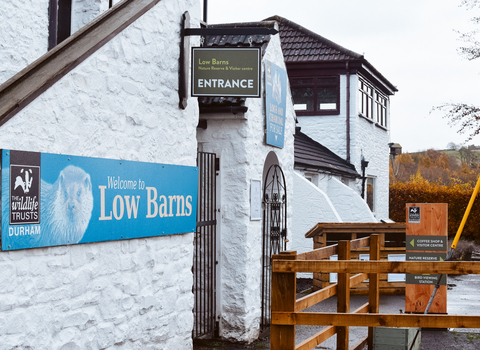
[[463, 115]]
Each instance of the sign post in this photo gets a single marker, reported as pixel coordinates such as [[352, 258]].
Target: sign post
[[226, 72], [426, 240]]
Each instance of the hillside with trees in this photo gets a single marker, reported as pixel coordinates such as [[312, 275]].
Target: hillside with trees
[[447, 176]]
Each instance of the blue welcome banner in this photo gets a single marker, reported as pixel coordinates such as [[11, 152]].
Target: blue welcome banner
[[52, 199], [275, 103]]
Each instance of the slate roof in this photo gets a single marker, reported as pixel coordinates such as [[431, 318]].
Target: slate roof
[[300, 45], [311, 155], [234, 41]]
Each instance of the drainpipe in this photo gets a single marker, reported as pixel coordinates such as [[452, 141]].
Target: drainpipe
[[205, 6], [348, 112]]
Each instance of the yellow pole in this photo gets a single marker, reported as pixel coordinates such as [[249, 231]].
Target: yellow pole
[[465, 216]]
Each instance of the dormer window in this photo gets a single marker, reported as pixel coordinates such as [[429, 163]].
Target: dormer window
[[316, 95]]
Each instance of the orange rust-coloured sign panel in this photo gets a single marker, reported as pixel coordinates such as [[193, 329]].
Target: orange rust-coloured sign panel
[[426, 220]]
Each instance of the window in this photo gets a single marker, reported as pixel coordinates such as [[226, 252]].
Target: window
[[373, 104], [381, 102], [366, 100], [316, 95]]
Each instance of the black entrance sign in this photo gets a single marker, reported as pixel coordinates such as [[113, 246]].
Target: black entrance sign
[[228, 72]]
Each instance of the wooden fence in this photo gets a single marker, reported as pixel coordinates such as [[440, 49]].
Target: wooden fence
[[392, 241], [287, 311]]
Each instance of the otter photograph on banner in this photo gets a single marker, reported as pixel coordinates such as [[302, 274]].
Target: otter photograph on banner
[[52, 199]]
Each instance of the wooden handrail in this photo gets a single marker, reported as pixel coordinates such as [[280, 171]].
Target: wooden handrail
[[355, 228], [325, 293], [17, 92], [414, 267], [326, 252], [317, 339], [286, 312], [319, 254], [375, 320], [326, 333]]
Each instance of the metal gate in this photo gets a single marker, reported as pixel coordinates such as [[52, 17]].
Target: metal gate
[[204, 255], [274, 232]]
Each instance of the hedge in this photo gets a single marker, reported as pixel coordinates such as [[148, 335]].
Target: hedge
[[456, 196]]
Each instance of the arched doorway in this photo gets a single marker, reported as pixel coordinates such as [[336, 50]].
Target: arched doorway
[[274, 226]]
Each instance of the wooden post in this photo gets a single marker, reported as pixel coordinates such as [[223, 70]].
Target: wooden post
[[374, 281], [284, 286], [426, 240], [343, 295]]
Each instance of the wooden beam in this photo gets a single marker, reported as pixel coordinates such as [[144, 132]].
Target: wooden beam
[[362, 309], [375, 320], [326, 252], [415, 267], [36, 78], [282, 337], [359, 278], [359, 243], [316, 297], [317, 339], [319, 254], [355, 227], [360, 344], [325, 293], [343, 295], [374, 285]]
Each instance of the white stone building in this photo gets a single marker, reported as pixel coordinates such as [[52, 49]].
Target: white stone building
[[111, 90], [342, 103]]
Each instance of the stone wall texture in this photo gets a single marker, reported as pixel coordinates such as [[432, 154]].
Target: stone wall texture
[[240, 146], [311, 206], [121, 103], [23, 35]]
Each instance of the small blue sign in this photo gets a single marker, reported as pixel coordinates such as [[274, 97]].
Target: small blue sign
[[275, 102], [52, 199]]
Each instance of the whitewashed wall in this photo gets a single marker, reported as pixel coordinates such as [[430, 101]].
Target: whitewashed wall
[[348, 203], [84, 11], [23, 35], [366, 139], [136, 294], [372, 141], [335, 203], [311, 205], [240, 146]]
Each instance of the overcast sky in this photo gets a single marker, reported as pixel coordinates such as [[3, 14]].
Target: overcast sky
[[411, 42]]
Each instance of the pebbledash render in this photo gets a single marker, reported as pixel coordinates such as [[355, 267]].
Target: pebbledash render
[[120, 103]]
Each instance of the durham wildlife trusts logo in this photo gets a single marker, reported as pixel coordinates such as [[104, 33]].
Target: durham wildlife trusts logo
[[414, 215], [24, 194]]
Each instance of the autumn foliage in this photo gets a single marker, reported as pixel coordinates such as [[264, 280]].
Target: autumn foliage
[[432, 180]]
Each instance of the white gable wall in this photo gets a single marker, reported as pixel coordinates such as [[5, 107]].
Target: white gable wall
[[23, 35], [240, 146], [122, 102]]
